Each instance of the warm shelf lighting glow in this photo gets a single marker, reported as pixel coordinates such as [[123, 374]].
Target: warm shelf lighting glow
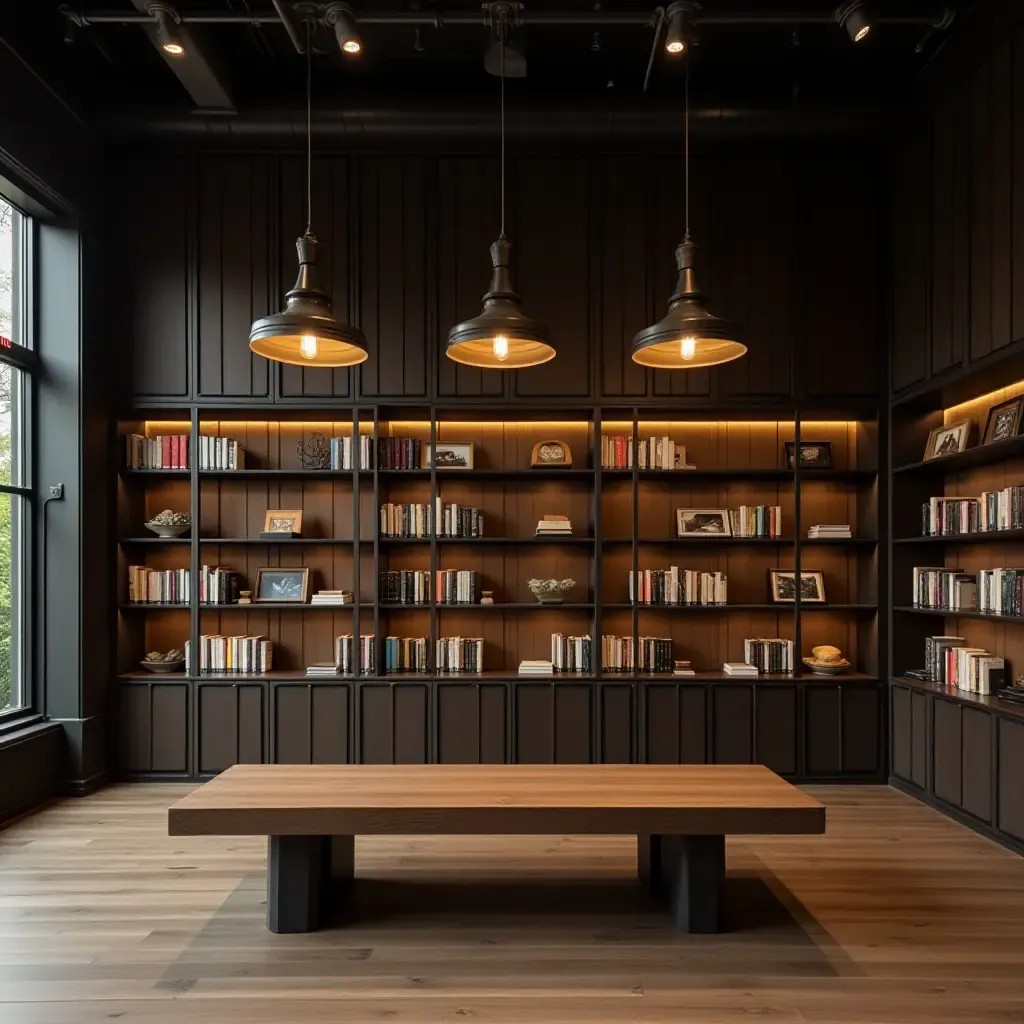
[[983, 402]]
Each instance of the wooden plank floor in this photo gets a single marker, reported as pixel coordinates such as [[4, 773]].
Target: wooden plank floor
[[896, 915]]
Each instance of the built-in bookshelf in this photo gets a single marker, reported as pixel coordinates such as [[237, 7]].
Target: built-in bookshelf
[[624, 520]]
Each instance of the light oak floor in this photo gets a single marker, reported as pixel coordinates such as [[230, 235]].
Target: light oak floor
[[896, 915]]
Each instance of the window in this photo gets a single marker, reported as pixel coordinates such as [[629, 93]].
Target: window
[[15, 484]]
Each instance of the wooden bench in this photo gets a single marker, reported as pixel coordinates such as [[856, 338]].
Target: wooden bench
[[680, 815]]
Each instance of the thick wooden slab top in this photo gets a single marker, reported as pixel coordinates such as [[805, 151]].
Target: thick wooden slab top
[[496, 799]]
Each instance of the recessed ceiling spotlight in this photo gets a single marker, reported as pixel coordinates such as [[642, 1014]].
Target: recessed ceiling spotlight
[[854, 19], [678, 27], [167, 22], [342, 20], [417, 41], [595, 43]]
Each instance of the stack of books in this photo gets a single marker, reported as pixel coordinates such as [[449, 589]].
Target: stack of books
[[654, 654], [946, 589], [769, 655], [153, 586], [459, 520], [535, 668], [569, 654], [332, 597], [678, 586], [404, 586], [1001, 510], [974, 669], [322, 668], [554, 526], [739, 668], [405, 654], [165, 451], [460, 654], [1001, 591], [682, 668], [220, 453], [617, 653], [407, 521], [756, 521], [342, 449], [456, 586], [992, 511], [343, 654], [218, 584], [834, 531], [400, 453], [251, 655]]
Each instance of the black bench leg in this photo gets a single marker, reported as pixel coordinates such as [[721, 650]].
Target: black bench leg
[[295, 875], [648, 862], [697, 873]]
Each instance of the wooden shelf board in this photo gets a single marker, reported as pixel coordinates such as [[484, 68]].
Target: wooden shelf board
[[949, 614], [155, 540], [980, 455], [525, 541], [838, 475], [763, 606], [285, 541], [155, 472], [989, 537], [518, 475], [989, 702], [283, 474]]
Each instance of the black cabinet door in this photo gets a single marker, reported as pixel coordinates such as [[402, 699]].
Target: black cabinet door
[[976, 763], [1010, 800], [674, 723], [310, 723], [862, 728], [919, 739], [902, 733], [732, 724], [153, 728], [393, 723], [552, 722], [775, 728], [472, 723], [823, 751], [946, 751], [230, 725], [616, 710]]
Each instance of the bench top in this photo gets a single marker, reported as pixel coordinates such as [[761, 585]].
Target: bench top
[[496, 799]]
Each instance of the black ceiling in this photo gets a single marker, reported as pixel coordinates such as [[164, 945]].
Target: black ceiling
[[114, 71]]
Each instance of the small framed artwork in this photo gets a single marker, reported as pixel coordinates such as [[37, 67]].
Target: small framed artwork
[[1003, 420], [451, 454], [813, 454], [283, 520], [279, 584], [948, 439], [703, 522], [782, 583], [550, 454]]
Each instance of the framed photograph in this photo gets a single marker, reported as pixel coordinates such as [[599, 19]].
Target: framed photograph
[[451, 454], [813, 454], [703, 522], [948, 440], [782, 583], [1003, 420], [278, 584], [283, 520]]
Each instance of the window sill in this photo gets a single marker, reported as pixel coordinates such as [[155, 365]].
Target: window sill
[[16, 725]]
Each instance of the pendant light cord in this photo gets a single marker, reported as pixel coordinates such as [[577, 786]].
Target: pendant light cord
[[309, 128], [501, 44], [686, 143]]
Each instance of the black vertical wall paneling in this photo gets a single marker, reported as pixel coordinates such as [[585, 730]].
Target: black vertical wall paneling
[[624, 293], [981, 213], [149, 304], [669, 226], [1001, 106], [233, 280], [393, 277], [753, 230], [334, 226], [911, 259], [554, 263], [469, 220], [1017, 157]]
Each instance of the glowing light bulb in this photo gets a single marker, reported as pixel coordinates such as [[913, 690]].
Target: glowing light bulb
[[174, 49], [307, 346], [688, 348], [500, 346], [675, 46], [351, 46]]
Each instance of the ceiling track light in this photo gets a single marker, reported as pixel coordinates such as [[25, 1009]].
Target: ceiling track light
[[340, 17], [167, 22], [680, 19], [854, 19]]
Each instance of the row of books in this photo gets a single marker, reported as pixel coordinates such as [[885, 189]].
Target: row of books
[[164, 451], [456, 586], [648, 653], [345, 654], [678, 586], [218, 585], [404, 586], [948, 660], [1001, 591], [343, 452], [416, 520], [460, 654], [400, 453], [220, 453], [571, 653], [770, 654], [243, 654], [617, 452], [405, 654], [756, 521], [993, 510], [157, 586], [944, 589]]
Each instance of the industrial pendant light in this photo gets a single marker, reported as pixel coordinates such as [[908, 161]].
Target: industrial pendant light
[[307, 333], [501, 337], [688, 336]]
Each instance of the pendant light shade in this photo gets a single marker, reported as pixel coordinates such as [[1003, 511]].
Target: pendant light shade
[[501, 337], [307, 333], [688, 336]]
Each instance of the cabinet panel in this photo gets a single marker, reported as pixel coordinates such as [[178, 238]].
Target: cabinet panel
[[1010, 799], [733, 713], [393, 723], [946, 751], [310, 723], [334, 225], [862, 709], [552, 723], [775, 722], [472, 723], [902, 733], [674, 723], [394, 254], [233, 278], [976, 763], [919, 739], [822, 724], [153, 728], [230, 725], [617, 711]]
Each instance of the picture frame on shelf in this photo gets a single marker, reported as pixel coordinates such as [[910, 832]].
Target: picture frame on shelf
[[703, 522], [948, 439], [782, 586], [450, 454], [813, 454], [282, 584], [550, 454], [283, 520], [1003, 420]]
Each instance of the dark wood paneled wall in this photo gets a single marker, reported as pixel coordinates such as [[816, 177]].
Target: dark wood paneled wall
[[958, 228], [789, 245]]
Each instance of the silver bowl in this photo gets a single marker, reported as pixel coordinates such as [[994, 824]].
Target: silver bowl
[[550, 591], [163, 667], [167, 532]]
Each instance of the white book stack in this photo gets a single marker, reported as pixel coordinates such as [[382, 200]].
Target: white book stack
[[536, 668], [332, 597], [322, 668], [738, 668], [830, 532], [554, 526]]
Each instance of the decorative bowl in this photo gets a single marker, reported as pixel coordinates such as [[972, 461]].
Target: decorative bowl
[[169, 523], [167, 531], [550, 591], [827, 668], [161, 667]]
